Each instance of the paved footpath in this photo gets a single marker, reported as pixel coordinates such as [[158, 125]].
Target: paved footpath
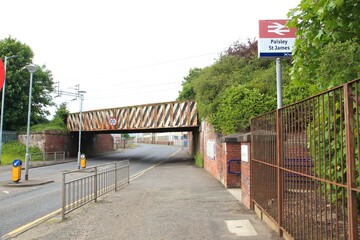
[[174, 200]]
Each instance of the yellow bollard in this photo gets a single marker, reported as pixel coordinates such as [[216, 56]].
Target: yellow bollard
[[82, 161], [16, 170]]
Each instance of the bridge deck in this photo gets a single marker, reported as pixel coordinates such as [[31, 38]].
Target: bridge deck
[[169, 116]]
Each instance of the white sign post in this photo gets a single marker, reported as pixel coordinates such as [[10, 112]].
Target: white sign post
[[276, 41]]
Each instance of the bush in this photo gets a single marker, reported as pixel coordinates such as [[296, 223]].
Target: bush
[[199, 160], [237, 105]]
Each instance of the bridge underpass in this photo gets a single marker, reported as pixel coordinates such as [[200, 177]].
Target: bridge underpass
[[179, 116]]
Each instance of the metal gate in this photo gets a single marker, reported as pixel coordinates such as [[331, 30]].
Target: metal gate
[[305, 165]]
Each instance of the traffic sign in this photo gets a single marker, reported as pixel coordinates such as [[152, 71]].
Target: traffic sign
[[17, 163], [275, 39], [112, 121], [2, 74]]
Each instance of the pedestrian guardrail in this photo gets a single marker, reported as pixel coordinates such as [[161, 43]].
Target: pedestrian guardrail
[[80, 187], [42, 158]]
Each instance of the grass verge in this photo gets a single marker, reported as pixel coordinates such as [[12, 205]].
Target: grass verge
[[15, 150]]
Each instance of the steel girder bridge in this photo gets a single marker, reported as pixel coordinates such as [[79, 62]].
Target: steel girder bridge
[[158, 117]]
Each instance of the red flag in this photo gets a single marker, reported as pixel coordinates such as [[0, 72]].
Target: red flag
[[2, 74]]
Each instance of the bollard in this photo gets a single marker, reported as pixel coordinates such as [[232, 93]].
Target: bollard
[[16, 170], [82, 161]]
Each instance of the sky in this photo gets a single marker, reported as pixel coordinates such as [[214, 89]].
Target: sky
[[126, 53]]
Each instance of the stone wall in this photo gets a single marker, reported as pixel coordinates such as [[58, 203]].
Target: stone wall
[[48, 141]]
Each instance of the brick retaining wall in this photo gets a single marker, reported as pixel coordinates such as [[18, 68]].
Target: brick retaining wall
[[218, 151]]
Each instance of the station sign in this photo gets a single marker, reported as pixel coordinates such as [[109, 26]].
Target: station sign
[[275, 39]]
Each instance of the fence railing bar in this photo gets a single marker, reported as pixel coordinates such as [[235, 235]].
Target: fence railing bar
[[82, 190], [319, 196]]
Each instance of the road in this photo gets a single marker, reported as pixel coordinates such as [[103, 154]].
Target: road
[[19, 206]]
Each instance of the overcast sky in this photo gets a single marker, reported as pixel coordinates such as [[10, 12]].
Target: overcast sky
[[125, 53]]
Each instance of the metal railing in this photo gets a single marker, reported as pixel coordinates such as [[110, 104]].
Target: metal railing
[[80, 187], [42, 158], [9, 136], [305, 165]]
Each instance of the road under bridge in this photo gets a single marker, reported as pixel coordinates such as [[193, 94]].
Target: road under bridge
[[178, 116]]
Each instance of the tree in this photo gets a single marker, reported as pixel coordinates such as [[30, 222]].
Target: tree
[[318, 24], [326, 55], [17, 86], [235, 88], [60, 116], [346, 67], [187, 92], [125, 136]]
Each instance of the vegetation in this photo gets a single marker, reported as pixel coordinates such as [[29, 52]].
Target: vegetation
[[199, 160], [239, 86], [236, 88], [327, 33], [15, 150], [17, 87], [57, 123], [326, 55]]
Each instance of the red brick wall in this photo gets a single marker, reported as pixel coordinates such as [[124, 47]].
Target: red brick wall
[[56, 142], [245, 178], [228, 149], [232, 153], [214, 166], [104, 143], [224, 151]]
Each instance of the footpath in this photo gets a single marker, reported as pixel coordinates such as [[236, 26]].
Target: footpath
[[174, 200]]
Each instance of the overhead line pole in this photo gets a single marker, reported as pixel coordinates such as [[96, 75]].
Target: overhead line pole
[[80, 95]]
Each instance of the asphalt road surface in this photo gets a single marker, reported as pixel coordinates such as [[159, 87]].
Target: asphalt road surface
[[21, 205]]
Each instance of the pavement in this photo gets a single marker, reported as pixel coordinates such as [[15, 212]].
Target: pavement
[[174, 200], [30, 182]]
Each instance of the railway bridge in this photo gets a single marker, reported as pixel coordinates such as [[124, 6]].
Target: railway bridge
[[178, 116]]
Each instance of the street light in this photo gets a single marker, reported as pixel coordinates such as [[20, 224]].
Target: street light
[[81, 96], [2, 106], [31, 68]]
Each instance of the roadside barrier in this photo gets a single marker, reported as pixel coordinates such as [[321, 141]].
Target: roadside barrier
[[42, 158], [80, 187]]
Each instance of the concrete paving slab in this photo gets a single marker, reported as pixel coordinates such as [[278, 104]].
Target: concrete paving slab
[[242, 228]]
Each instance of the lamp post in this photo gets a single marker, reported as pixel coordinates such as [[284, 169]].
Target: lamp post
[[31, 68], [2, 106], [81, 96]]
